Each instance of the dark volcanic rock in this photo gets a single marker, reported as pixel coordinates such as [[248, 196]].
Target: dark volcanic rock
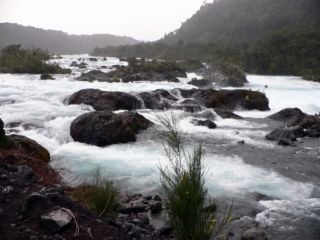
[[82, 65], [105, 128], [2, 132], [201, 83], [228, 99], [297, 125], [97, 75], [254, 234], [46, 77], [102, 100], [31, 146], [227, 114], [290, 134], [223, 75], [205, 123], [290, 116]]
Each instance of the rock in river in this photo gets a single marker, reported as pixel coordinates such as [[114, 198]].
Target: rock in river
[[105, 128]]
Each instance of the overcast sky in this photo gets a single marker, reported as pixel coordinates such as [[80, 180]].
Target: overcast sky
[[141, 19]]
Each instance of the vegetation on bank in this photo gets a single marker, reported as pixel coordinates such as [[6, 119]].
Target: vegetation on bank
[[98, 195], [14, 59], [191, 213]]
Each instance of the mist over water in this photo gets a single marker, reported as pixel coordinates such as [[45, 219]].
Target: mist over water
[[37, 109]]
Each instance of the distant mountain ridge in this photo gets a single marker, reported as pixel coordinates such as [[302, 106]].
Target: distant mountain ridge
[[57, 42], [244, 21]]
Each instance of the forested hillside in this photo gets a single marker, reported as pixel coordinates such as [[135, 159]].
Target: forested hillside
[[261, 36], [240, 21], [56, 41]]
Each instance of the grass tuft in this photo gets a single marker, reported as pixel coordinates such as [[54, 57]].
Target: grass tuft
[[98, 195]]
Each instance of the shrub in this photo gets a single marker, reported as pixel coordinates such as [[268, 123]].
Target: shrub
[[14, 59], [191, 213], [99, 195]]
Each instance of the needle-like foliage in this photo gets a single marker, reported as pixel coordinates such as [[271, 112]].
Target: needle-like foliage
[[190, 211]]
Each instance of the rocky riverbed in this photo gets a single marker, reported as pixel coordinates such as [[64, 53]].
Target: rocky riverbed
[[275, 188]]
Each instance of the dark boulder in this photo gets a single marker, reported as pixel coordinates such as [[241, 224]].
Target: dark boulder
[[285, 142], [74, 64], [82, 65], [314, 131], [159, 99], [290, 116], [46, 76], [226, 114], [289, 134], [205, 123], [105, 128], [31, 146], [97, 75], [228, 99], [201, 83], [102, 100], [92, 59], [254, 234], [2, 132], [223, 75]]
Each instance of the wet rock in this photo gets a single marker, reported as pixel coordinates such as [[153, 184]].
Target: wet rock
[[290, 116], [105, 128], [74, 64], [31, 146], [201, 83], [285, 142], [254, 234], [205, 123], [288, 134], [223, 75], [92, 59], [82, 65], [57, 220], [241, 142], [46, 77], [133, 207], [314, 131], [103, 100], [156, 207], [25, 171], [227, 114], [2, 132], [157, 198], [228, 99], [97, 75], [166, 230], [34, 204]]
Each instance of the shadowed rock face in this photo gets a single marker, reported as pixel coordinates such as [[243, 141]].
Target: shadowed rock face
[[2, 132], [105, 128], [101, 100]]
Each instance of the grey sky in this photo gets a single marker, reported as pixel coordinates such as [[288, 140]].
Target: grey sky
[[141, 19]]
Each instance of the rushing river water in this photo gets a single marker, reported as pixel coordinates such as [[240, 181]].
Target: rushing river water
[[38, 109]]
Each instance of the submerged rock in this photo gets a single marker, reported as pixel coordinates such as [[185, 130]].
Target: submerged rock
[[102, 100], [105, 128], [97, 75]]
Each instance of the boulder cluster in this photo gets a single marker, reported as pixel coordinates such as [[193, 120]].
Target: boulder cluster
[[296, 124]]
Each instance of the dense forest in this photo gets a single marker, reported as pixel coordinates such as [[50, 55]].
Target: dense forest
[[261, 36], [241, 21], [56, 41]]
